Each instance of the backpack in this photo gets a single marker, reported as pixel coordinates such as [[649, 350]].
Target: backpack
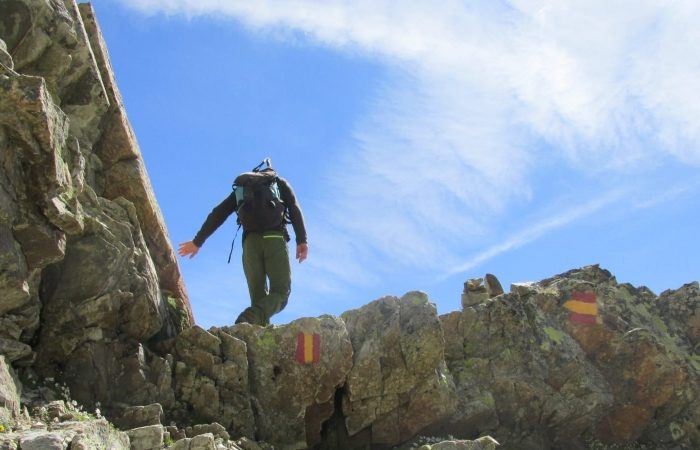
[[258, 202]]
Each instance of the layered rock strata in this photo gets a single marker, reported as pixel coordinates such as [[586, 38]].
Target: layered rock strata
[[87, 276]]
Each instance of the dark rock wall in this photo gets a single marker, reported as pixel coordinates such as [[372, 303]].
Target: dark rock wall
[[88, 275]]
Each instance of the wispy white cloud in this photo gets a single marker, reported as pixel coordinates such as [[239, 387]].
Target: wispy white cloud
[[484, 96], [534, 231], [686, 187], [429, 170]]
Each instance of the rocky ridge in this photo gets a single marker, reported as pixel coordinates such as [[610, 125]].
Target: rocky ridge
[[93, 312], [88, 272]]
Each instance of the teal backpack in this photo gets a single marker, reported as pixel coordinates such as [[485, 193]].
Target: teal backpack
[[259, 205], [258, 201]]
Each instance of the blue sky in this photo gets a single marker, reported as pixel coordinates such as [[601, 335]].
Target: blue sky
[[427, 144]]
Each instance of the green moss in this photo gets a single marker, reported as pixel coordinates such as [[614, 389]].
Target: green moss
[[659, 324], [82, 417], [694, 361], [472, 346], [640, 309], [178, 315], [267, 341], [676, 431], [554, 334], [506, 355], [417, 300], [469, 363], [487, 400], [653, 323]]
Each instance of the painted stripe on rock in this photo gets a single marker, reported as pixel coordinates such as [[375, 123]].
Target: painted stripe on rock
[[585, 296], [308, 348], [583, 307], [580, 307], [583, 318]]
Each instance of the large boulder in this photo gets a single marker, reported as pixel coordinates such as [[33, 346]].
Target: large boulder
[[146, 438], [295, 372], [519, 376], [141, 416], [212, 380], [650, 362], [569, 359], [399, 383]]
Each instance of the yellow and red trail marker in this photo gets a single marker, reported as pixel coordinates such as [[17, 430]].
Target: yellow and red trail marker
[[308, 348], [583, 307]]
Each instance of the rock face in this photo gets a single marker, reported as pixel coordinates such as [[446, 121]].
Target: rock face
[[9, 392], [292, 395], [573, 357], [399, 383], [91, 296], [82, 241]]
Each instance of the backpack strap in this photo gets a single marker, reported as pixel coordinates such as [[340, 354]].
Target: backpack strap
[[267, 161], [265, 176], [233, 242]]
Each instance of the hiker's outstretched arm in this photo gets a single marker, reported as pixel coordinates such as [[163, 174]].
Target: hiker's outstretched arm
[[216, 217]]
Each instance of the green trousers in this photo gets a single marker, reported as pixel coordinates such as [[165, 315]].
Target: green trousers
[[266, 259]]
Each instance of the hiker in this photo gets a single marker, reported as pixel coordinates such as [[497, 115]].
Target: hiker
[[264, 203]]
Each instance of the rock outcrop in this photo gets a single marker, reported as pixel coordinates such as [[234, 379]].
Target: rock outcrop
[[9, 392], [531, 370], [398, 383], [93, 311], [88, 275]]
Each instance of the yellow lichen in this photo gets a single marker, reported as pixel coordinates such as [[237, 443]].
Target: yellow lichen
[[267, 341], [554, 334], [695, 362]]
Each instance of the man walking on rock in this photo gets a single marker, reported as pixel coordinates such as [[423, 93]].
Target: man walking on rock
[[265, 203]]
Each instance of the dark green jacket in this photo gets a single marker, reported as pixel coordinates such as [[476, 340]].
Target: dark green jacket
[[223, 210]]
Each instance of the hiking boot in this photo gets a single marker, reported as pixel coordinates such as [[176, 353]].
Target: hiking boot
[[249, 316]]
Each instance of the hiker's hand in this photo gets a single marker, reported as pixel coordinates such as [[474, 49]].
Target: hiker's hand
[[188, 249], [302, 252]]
